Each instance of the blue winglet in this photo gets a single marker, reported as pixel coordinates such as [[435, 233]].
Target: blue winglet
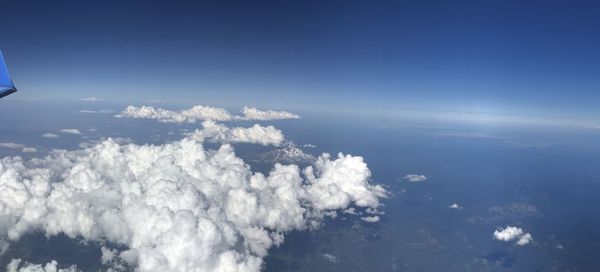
[[6, 85]]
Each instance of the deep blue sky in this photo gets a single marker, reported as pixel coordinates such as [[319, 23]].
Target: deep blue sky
[[538, 58]]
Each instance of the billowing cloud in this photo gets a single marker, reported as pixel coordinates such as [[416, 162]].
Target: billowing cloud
[[175, 206], [415, 178], [71, 131], [249, 113], [202, 113], [196, 113], [513, 233], [50, 135], [16, 265], [256, 134]]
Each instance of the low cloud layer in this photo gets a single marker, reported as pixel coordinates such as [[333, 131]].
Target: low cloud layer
[[256, 134], [176, 206], [50, 135], [202, 113], [513, 233], [415, 178]]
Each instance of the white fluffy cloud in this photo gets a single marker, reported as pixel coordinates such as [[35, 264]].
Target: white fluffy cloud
[[513, 233], [256, 134], [175, 206], [16, 265], [256, 114], [71, 131], [415, 178], [202, 113], [92, 99]]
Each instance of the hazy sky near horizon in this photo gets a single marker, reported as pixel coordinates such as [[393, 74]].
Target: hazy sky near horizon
[[510, 57]]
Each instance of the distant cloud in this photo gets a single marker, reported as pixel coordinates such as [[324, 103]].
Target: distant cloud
[[370, 219], [415, 178], [259, 115], [11, 145], [256, 134], [71, 131], [50, 135], [309, 146], [24, 148], [513, 233], [330, 258], [201, 113], [455, 206], [92, 99], [97, 111]]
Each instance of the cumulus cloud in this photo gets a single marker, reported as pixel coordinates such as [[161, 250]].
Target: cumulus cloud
[[50, 135], [513, 233], [415, 178], [309, 146], [370, 219], [71, 131], [175, 206], [16, 265], [196, 113], [256, 134], [259, 115], [201, 113]]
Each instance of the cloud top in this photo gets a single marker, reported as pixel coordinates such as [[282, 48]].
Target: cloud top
[[513, 233], [177, 206], [202, 113]]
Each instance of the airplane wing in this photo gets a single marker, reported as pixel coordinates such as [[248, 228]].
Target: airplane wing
[[6, 85]]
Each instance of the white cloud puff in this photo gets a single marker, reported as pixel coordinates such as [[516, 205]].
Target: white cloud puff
[[175, 206], [249, 113], [256, 134], [202, 113], [513, 233], [455, 206], [71, 131], [415, 178], [16, 265], [92, 99]]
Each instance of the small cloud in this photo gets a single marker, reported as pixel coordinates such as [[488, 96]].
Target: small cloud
[[455, 206], [92, 99], [415, 178], [105, 111], [309, 146], [330, 257], [71, 131], [559, 246], [50, 135], [11, 145], [29, 150], [513, 233], [370, 219]]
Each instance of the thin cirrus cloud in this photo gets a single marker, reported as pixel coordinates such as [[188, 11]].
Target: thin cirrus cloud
[[202, 113], [513, 233], [177, 204]]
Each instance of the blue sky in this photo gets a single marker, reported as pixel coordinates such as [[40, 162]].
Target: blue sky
[[534, 58]]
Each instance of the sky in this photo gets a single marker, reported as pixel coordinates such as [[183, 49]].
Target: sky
[[517, 58]]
